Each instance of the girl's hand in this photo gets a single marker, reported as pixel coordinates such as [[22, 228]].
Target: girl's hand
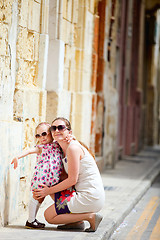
[[69, 138], [41, 192], [15, 162], [39, 150]]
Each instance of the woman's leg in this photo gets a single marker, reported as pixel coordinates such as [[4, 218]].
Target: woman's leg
[[76, 225], [52, 196], [52, 217]]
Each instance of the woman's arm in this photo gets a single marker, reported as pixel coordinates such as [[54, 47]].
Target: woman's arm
[[24, 154], [63, 175], [74, 153]]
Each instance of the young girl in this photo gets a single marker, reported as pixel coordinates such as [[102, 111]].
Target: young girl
[[47, 170]]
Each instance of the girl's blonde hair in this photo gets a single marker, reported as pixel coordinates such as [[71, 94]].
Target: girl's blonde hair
[[68, 125], [43, 123]]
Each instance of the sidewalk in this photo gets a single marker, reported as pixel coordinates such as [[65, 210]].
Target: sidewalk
[[124, 186]]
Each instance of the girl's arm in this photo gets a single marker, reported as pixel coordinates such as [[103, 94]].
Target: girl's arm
[[24, 154], [74, 154]]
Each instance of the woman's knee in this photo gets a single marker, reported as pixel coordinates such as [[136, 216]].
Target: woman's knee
[[49, 214], [46, 215]]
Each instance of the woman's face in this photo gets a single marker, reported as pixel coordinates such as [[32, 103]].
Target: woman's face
[[61, 130]]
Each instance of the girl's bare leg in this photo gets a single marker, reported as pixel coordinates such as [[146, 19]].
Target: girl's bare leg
[[52, 217]]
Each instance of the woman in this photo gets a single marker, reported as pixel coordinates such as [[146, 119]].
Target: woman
[[87, 196]]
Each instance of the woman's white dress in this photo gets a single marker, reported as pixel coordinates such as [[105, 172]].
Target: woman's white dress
[[89, 195]]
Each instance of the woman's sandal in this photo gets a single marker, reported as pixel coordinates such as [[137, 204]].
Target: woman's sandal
[[98, 219], [77, 226]]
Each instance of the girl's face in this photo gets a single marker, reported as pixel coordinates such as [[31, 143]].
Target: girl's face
[[43, 134], [59, 130]]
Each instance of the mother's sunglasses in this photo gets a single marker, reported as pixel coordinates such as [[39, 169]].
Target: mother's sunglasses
[[59, 127]]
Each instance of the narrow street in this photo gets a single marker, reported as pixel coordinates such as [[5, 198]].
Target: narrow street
[[143, 222]]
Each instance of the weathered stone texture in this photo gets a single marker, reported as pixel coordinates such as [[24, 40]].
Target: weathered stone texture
[[5, 89], [12, 131], [56, 106], [55, 66], [34, 15], [75, 11], [44, 16], [26, 73], [28, 45], [42, 54], [81, 116], [3, 39], [74, 27], [7, 11], [23, 100], [23, 12], [25, 44], [111, 124], [22, 95]]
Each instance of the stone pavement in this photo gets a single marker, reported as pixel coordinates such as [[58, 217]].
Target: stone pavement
[[124, 186]]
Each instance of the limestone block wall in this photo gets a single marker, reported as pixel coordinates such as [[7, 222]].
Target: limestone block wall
[[79, 76], [48, 68], [23, 64], [71, 31]]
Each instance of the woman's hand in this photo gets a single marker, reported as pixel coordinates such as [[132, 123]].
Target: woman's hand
[[15, 162], [41, 192], [69, 138]]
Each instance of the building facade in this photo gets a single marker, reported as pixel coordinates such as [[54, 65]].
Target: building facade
[[95, 62]]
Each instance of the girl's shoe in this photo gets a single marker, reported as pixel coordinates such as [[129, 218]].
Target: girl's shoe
[[35, 224]]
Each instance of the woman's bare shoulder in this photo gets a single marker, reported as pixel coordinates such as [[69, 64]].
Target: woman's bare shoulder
[[75, 148]]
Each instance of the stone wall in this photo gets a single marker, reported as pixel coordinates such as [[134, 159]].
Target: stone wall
[[80, 80], [23, 62], [71, 30], [49, 53]]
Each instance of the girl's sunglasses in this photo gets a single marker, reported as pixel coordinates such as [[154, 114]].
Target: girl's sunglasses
[[59, 127], [42, 134]]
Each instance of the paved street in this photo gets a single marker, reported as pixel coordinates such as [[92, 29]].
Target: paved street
[[143, 222], [124, 187]]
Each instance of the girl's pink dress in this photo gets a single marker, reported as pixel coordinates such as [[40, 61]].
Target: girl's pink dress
[[48, 167]]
